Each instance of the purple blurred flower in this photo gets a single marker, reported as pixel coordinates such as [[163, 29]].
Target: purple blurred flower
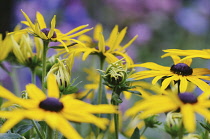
[[142, 30], [192, 20]]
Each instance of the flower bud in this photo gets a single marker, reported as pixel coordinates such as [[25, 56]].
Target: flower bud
[[173, 123]]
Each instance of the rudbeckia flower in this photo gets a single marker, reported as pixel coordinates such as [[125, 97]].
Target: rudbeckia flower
[[109, 49], [205, 53], [40, 29], [180, 71], [187, 103], [55, 111]]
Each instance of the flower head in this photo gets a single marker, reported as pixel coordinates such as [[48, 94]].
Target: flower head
[[180, 71], [109, 49], [187, 103], [40, 29], [52, 109]]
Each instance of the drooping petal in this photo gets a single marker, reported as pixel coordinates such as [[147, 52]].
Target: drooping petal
[[11, 122], [188, 117], [183, 84], [52, 86], [201, 84]]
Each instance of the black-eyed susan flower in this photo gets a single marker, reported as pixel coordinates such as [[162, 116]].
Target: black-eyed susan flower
[[180, 71], [109, 49], [55, 111], [187, 103], [40, 29], [205, 53]]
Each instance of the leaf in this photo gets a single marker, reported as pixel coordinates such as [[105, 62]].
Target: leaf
[[10, 136], [23, 128], [136, 134]]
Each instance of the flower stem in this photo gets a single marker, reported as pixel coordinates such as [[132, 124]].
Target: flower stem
[[100, 89], [44, 57], [145, 128], [37, 129], [33, 76], [116, 121]]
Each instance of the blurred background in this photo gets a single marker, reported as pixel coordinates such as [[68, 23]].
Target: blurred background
[[160, 24]]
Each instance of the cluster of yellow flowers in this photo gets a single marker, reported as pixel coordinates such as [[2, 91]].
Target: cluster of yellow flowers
[[171, 91]]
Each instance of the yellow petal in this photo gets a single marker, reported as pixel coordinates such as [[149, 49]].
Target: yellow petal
[[201, 84], [101, 43], [66, 129], [98, 30], [53, 22], [28, 19], [52, 86], [11, 122], [188, 117], [40, 20], [183, 84], [35, 93]]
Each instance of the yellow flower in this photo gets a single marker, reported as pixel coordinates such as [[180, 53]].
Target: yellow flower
[[109, 49], [179, 71], [5, 47], [40, 29], [186, 102], [53, 110], [205, 53]]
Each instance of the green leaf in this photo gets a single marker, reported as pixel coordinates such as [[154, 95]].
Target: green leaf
[[10, 136], [23, 128], [136, 134]]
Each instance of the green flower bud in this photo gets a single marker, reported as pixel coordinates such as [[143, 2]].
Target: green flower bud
[[152, 122], [116, 74], [62, 70], [173, 123]]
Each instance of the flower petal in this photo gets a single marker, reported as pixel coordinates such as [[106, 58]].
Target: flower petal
[[40, 20], [35, 93], [188, 117], [52, 86]]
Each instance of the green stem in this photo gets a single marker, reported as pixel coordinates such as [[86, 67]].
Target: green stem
[[44, 57], [37, 130], [181, 132], [14, 77], [116, 120], [33, 76], [102, 59], [145, 128]]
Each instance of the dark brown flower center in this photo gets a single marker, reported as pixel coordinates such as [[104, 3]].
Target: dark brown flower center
[[181, 69], [46, 32], [188, 98], [51, 104]]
